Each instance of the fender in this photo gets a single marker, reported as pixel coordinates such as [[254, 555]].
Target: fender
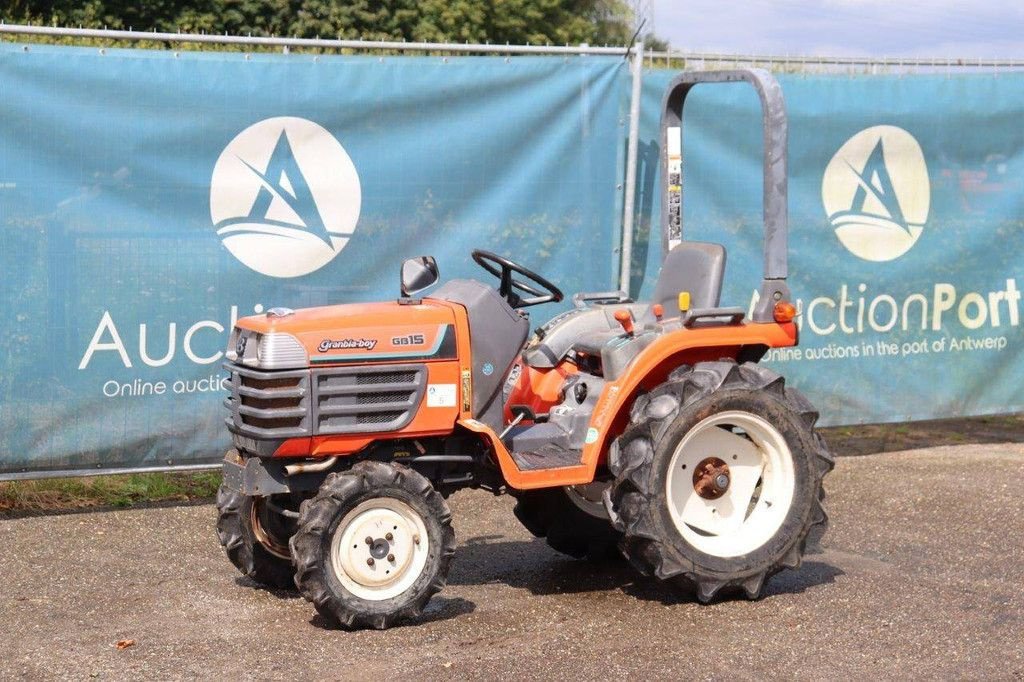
[[656, 362]]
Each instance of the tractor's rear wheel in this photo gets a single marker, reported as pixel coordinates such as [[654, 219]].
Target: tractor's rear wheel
[[255, 538], [573, 520], [373, 546], [719, 479]]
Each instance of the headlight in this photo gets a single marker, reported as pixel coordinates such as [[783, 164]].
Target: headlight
[[279, 351], [266, 351]]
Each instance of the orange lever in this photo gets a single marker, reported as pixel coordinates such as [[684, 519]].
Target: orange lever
[[659, 310], [625, 318]]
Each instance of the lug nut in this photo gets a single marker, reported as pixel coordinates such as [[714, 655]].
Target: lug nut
[[368, 540], [722, 481], [391, 557], [389, 537], [369, 561]]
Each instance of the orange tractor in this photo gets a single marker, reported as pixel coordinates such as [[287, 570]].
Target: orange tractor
[[645, 428]]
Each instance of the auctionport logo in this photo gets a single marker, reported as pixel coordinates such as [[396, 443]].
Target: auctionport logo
[[876, 193], [285, 197]]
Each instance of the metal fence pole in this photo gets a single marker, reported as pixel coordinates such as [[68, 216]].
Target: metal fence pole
[[629, 198]]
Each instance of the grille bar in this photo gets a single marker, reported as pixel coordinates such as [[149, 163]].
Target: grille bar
[[362, 409], [271, 393], [366, 388], [271, 412]]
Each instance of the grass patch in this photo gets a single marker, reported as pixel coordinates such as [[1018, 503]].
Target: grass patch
[[868, 439], [106, 491]]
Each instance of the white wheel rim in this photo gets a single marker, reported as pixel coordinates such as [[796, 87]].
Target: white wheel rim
[[589, 497], [384, 568], [760, 489]]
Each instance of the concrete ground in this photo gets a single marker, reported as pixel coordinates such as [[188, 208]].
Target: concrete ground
[[922, 577]]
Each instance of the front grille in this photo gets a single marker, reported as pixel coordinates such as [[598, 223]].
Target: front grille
[[366, 399], [269, 404], [332, 400]]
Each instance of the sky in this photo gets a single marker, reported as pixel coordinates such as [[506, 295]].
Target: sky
[[875, 28]]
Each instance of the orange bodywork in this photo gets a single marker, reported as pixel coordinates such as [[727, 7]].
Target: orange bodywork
[[371, 323], [370, 336], [378, 340], [650, 368], [538, 389]]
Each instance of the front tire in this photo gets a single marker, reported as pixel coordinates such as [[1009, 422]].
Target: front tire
[[254, 538], [373, 546], [719, 479]]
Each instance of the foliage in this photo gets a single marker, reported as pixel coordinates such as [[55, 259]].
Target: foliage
[[125, 490], [496, 21]]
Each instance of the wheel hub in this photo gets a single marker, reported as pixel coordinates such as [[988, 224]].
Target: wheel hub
[[711, 478], [727, 510], [265, 536], [379, 548]]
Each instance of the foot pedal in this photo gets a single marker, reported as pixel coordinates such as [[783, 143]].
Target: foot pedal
[[547, 457]]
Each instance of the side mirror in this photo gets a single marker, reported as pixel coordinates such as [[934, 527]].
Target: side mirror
[[418, 274]]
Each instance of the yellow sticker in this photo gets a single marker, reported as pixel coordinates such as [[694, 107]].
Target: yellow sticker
[[467, 390]]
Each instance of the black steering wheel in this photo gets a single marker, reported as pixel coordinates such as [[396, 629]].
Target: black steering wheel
[[540, 289]]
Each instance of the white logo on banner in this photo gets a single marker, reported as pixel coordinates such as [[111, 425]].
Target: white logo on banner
[[285, 197], [876, 193]]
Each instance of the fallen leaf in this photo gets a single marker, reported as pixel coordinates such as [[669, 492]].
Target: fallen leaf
[[123, 644]]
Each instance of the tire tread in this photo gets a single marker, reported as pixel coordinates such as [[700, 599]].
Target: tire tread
[[631, 459], [315, 517]]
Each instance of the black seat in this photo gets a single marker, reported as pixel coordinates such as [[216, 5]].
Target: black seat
[[696, 267]]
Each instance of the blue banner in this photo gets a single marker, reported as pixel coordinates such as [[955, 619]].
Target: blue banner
[[906, 204], [150, 198]]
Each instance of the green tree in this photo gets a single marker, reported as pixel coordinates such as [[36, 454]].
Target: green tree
[[496, 21]]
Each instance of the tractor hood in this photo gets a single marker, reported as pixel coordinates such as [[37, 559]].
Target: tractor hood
[[356, 332]]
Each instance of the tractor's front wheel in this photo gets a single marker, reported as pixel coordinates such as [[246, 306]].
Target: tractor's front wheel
[[255, 538], [719, 478], [373, 546]]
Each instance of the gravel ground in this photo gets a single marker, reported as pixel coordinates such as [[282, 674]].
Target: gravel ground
[[921, 577]]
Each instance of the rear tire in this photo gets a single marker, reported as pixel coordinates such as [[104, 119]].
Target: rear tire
[[570, 527], [354, 583], [678, 526], [254, 550]]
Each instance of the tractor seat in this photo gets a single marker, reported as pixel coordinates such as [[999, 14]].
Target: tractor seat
[[696, 267]]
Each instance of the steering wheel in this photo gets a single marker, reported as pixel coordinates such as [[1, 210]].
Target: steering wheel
[[540, 289]]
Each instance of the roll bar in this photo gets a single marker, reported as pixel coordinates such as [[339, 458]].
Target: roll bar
[[776, 218]]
